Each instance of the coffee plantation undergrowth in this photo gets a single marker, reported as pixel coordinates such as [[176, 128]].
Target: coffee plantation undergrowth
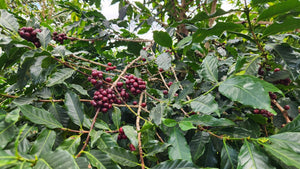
[[210, 89]]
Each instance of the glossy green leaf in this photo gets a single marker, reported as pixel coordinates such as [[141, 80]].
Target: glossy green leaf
[[251, 156], [44, 143], [246, 91], [158, 148], [131, 134], [8, 21], [179, 148], [251, 67], [44, 37], [59, 159], [207, 120], [197, 144], [116, 116], [164, 61], [70, 144], [103, 140], [100, 160], [280, 8], [40, 116], [74, 108], [288, 56], [186, 125], [289, 24], [162, 38], [122, 156], [293, 126], [205, 104], [209, 68], [176, 164], [7, 133], [229, 157], [284, 148], [217, 30], [184, 42], [83, 163], [7, 159], [60, 76], [80, 89], [169, 122]]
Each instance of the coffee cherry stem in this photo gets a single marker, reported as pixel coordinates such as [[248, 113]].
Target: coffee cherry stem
[[282, 110]]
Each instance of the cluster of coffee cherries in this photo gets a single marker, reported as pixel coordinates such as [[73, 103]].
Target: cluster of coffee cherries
[[263, 112], [59, 37], [165, 92], [111, 67], [134, 84], [121, 134], [29, 34], [104, 96]]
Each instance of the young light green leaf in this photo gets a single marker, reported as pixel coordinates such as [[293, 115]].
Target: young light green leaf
[[169, 122], [179, 148], [60, 76], [40, 116], [162, 38], [74, 108], [186, 125], [44, 143], [122, 156]]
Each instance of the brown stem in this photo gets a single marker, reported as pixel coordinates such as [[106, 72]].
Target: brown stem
[[68, 65], [88, 137], [138, 128], [282, 110], [74, 131], [174, 73]]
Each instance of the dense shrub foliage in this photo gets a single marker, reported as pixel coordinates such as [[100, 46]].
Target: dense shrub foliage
[[211, 89]]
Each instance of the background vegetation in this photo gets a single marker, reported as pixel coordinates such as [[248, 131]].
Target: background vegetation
[[212, 89]]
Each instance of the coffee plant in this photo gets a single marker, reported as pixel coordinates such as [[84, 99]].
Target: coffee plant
[[209, 88]]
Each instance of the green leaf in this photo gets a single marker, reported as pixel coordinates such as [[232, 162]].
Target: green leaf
[[59, 159], [60, 76], [7, 133], [164, 61], [251, 156], [205, 104], [122, 156], [8, 21], [103, 140], [207, 120], [197, 144], [70, 144], [284, 148], [279, 8], [44, 37], [7, 159], [251, 67], [175, 164], [100, 160], [157, 112], [74, 108], [217, 30], [40, 116], [256, 2], [288, 56], [209, 68], [169, 122], [179, 148], [293, 126], [44, 143], [158, 148], [131, 133], [80, 89], [162, 38], [289, 24], [184, 42], [229, 157], [3, 4], [186, 125], [246, 91], [116, 116]]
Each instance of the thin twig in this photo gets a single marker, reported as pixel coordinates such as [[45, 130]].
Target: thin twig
[[282, 110], [138, 128], [68, 65], [88, 137]]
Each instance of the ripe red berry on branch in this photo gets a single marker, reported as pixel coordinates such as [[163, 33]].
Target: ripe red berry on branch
[[29, 34]]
